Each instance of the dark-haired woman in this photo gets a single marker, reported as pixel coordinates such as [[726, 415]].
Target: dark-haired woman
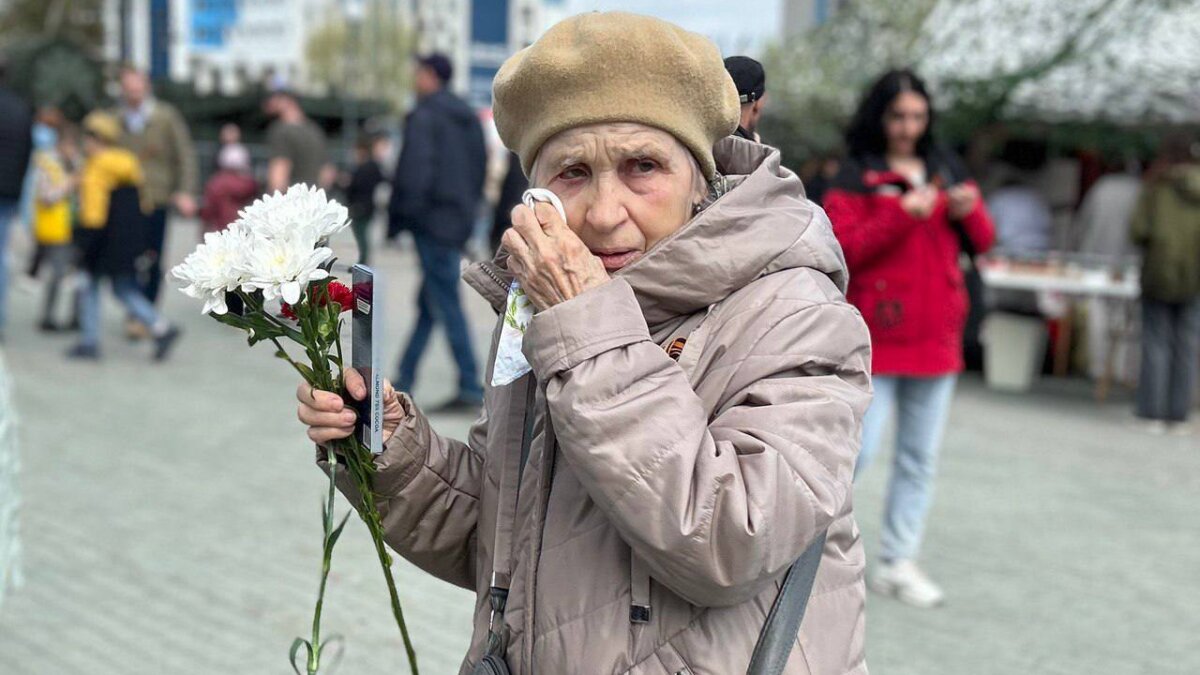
[[904, 211]]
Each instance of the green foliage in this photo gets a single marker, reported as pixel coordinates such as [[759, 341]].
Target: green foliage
[[815, 79], [54, 71], [370, 59], [77, 21]]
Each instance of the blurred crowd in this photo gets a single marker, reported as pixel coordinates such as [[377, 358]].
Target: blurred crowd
[[912, 220]]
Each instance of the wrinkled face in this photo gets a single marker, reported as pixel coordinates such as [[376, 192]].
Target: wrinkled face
[[133, 88], [625, 187], [905, 122]]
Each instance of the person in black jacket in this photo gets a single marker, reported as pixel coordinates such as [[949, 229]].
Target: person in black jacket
[[16, 145], [435, 195], [751, 82], [360, 187]]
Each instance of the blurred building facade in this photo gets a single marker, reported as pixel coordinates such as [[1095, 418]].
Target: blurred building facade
[[229, 45]]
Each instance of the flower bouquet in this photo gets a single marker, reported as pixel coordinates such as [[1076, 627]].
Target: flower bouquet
[[275, 263]]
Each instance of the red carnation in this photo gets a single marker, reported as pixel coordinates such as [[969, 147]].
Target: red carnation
[[337, 292], [342, 295]]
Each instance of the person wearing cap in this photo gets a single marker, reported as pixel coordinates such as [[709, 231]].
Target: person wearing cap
[[690, 420], [295, 144], [112, 223], [436, 194], [751, 82]]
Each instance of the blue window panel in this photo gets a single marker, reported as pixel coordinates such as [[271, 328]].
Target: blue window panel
[[160, 39], [489, 21]]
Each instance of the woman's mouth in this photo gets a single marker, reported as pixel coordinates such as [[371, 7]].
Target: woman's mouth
[[615, 260]]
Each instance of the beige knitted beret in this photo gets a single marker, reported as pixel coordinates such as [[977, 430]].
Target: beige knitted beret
[[616, 67]]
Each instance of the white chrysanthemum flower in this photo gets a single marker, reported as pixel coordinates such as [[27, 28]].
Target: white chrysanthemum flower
[[216, 267], [303, 211], [283, 268], [277, 246]]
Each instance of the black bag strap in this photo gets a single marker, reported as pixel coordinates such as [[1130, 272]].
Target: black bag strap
[[783, 623], [513, 469]]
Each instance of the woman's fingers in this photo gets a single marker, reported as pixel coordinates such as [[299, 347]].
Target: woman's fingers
[[548, 217], [322, 435], [318, 399], [320, 418], [324, 413], [518, 252], [354, 383], [527, 225]]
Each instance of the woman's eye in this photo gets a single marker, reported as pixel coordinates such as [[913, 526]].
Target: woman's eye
[[573, 173], [644, 166]]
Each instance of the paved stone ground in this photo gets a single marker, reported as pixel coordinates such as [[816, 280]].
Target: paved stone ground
[[171, 524]]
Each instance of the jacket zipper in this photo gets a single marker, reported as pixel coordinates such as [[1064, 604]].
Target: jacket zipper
[[487, 269]]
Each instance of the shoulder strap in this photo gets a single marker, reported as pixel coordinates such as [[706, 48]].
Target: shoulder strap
[[783, 623], [512, 469]]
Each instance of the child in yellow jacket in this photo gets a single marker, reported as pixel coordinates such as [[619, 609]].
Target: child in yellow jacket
[[112, 229], [52, 186]]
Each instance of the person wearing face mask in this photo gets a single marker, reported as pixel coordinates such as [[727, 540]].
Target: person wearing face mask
[[904, 210], [751, 81], [689, 417]]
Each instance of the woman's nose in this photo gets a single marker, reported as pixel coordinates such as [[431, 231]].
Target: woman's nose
[[606, 210]]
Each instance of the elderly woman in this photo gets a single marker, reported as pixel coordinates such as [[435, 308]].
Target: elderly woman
[[698, 384]]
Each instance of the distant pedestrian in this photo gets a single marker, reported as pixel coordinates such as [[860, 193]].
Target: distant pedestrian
[[900, 209], [751, 81], [229, 190], [435, 195], [52, 187], [112, 223], [364, 180], [1021, 212], [1166, 226], [297, 147], [1102, 223], [230, 134], [16, 146], [157, 134]]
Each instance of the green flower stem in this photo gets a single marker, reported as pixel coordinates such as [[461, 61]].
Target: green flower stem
[[358, 458], [317, 331], [362, 466], [331, 534]]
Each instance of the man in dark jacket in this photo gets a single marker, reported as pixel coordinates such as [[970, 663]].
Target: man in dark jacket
[[16, 139], [751, 82], [435, 195]]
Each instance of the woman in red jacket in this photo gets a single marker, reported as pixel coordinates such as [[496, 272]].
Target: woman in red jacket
[[904, 211]]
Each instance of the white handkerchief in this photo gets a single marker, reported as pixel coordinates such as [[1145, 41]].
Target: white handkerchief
[[511, 363]]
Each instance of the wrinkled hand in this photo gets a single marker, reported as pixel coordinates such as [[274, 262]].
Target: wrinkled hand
[[327, 416], [962, 199], [919, 202], [184, 204], [551, 262]]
